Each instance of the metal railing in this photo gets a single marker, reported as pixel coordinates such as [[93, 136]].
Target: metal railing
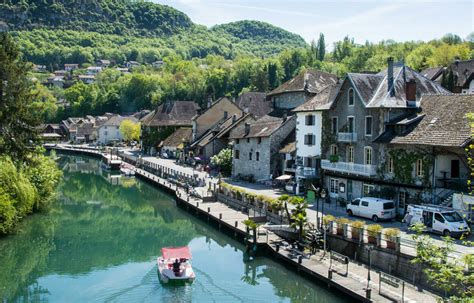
[[347, 137], [350, 168]]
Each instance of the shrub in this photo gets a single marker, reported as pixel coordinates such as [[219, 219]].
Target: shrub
[[341, 221], [374, 229], [358, 224], [391, 232]]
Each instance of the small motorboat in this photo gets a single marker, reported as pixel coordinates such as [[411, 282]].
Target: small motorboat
[[175, 265]]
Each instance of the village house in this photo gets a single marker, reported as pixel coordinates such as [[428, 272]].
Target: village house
[[158, 63], [363, 107], [70, 67], [423, 156], [283, 100], [103, 63], [109, 131], [254, 103], [87, 79], [51, 132], [131, 64], [174, 145], [458, 77], [162, 122], [93, 70]]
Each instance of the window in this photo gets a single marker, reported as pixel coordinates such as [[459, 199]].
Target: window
[[334, 125], [309, 139], [419, 168], [237, 141], [355, 202], [367, 189], [350, 97], [455, 169], [350, 154], [309, 119], [334, 183], [439, 218], [257, 156], [402, 199], [250, 156], [237, 154], [390, 165], [368, 155], [350, 124], [365, 203], [388, 205], [368, 126], [259, 140], [334, 149], [308, 162]]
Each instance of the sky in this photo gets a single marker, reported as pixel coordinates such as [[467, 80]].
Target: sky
[[372, 20]]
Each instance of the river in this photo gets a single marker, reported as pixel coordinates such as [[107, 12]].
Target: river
[[100, 240]]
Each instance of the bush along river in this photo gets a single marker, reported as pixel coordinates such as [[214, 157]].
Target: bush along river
[[100, 240]]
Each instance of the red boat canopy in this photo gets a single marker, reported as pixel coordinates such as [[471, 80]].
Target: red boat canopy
[[176, 252]]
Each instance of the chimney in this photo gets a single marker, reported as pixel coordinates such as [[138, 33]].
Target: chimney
[[234, 118], [226, 114], [247, 129], [285, 116], [306, 85], [390, 75], [410, 90]]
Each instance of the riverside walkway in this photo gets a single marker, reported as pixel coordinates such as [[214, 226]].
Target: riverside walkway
[[336, 271]]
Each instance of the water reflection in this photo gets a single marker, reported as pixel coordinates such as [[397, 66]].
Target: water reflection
[[100, 240]]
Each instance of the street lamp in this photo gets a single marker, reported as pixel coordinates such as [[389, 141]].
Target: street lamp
[[323, 196], [368, 290]]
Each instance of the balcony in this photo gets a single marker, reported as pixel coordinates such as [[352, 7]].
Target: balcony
[[349, 168], [347, 137], [307, 172]]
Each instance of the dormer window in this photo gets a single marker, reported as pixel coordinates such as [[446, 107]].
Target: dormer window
[[350, 97]]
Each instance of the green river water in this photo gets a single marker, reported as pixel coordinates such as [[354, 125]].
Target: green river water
[[100, 241]]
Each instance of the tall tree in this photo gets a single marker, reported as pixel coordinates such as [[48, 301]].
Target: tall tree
[[321, 48], [17, 122]]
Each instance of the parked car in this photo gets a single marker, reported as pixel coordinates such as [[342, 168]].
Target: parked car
[[372, 208], [443, 220]]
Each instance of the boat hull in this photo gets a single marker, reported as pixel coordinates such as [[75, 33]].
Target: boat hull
[[167, 275]]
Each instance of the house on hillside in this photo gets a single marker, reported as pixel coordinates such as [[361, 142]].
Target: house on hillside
[[423, 155], [174, 145], [132, 64], [103, 63], [109, 131], [51, 132], [70, 67], [93, 70], [87, 79], [364, 106], [162, 122], [458, 77]]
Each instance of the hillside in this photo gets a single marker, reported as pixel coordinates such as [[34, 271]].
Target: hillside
[[61, 31], [123, 17]]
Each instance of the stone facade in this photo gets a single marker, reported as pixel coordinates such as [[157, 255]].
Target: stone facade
[[289, 100]]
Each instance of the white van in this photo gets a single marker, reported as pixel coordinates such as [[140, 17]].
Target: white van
[[443, 220], [372, 208]]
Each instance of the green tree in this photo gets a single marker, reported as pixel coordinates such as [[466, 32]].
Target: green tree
[[223, 160], [321, 48], [130, 130], [17, 122]]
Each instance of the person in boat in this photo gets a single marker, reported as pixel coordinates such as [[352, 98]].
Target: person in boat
[[176, 266]]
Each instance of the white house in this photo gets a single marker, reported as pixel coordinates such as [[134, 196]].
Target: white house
[[110, 130], [309, 125]]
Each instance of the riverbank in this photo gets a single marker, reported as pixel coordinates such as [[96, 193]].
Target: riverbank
[[324, 267]]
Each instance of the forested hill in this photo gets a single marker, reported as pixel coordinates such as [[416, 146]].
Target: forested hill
[[124, 17]]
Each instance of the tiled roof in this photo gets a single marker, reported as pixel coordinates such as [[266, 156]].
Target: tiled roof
[[117, 120], [263, 127], [316, 81], [180, 136], [462, 71], [321, 101], [254, 103], [374, 89], [443, 122], [432, 73], [85, 129], [288, 148], [175, 113]]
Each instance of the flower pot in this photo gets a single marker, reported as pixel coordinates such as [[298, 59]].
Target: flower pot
[[340, 231], [391, 245], [355, 234], [372, 240]]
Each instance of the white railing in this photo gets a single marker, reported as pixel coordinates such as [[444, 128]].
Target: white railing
[[347, 137], [350, 168]]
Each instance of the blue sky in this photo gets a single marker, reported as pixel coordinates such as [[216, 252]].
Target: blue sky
[[362, 19]]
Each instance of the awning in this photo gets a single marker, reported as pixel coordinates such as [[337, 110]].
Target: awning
[[284, 177], [176, 252]]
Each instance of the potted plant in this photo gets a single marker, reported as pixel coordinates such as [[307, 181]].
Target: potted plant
[[373, 230], [356, 228], [327, 219], [261, 200], [391, 235], [340, 225], [333, 158]]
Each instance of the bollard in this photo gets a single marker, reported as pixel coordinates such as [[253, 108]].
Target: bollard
[[197, 204], [208, 209], [300, 259], [368, 293], [236, 223], [329, 274], [220, 216], [277, 247]]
